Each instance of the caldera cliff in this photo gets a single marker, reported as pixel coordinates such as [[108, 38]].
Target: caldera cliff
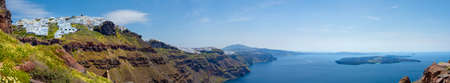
[[71, 50]]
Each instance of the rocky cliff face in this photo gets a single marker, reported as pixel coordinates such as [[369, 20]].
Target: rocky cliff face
[[159, 44], [436, 73], [405, 80], [212, 50], [107, 28], [252, 55], [107, 54], [5, 17], [125, 57]]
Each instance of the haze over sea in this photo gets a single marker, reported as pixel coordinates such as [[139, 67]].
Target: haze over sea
[[323, 69]]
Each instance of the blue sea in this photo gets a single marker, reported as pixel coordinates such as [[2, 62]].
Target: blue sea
[[323, 69]]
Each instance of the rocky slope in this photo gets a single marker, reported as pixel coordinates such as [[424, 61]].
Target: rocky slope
[[107, 53], [23, 63], [159, 44], [122, 56], [436, 73]]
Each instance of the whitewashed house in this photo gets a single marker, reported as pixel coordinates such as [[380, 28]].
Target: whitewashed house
[[39, 26], [64, 28], [36, 26]]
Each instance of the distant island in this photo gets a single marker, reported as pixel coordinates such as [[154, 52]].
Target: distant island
[[388, 59]]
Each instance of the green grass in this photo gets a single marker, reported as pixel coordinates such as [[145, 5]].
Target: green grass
[[11, 48], [52, 28], [51, 19], [83, 34], [86, 35], [49, 65], [11, 75], [20, 32], [13, 53], [2, 11]]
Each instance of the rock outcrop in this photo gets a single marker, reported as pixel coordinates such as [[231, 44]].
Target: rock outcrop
[[33, 41], [436, 73], [253, 57], [104, 64], [69, 60], [132, 34], [5, 18], [405, 80], [90, 46], [210, 50], [26, 66], [107, 28], [159, 44]]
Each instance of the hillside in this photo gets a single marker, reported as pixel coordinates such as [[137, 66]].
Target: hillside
[[255, 55], [70, 49], [243, 48], [21, 62], [124, 57]]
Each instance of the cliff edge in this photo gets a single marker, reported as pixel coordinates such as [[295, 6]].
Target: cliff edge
[[436, 73]]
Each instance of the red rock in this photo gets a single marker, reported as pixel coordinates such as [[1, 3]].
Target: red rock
[[27, 66], [5, 18], [35, 81], [436, 73], [69, 60], [405, 80]]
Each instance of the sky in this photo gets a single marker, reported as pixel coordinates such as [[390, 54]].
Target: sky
[[298, 25]]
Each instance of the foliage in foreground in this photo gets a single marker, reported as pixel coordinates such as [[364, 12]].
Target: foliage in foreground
[[49, 67]]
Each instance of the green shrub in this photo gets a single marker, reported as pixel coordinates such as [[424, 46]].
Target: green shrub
[[52, 28], [10, 75], [50, 66]]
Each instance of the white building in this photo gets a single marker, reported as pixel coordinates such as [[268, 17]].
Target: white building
[[39, 26], [36, 26], [189, 50], [64, 28]]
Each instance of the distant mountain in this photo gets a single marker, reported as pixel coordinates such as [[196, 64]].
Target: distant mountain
[[255, 55], [239, 48]]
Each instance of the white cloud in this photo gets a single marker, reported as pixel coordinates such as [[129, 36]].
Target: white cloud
[[374, 18], [127, 16], [26, 8], [205, 20]]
